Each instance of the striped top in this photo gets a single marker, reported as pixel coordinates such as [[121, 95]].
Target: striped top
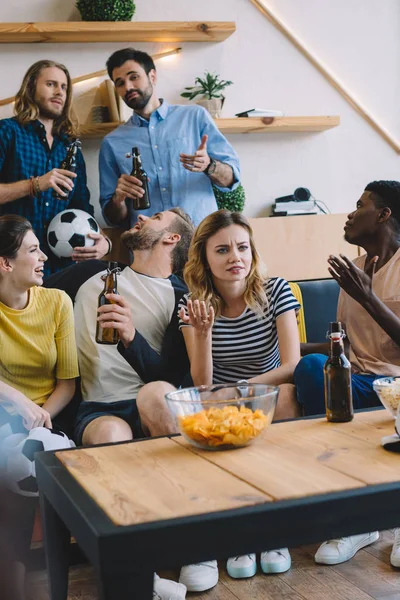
[[246, 346], [37, 344]]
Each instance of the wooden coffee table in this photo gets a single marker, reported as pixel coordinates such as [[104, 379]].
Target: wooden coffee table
[[155, 504]]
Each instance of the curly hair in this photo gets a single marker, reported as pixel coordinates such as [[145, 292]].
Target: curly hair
[[198, 276], [387, 194], [26, 109]]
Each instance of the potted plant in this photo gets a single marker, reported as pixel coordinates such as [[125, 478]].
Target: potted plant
[[210, 88], [106, 10], [233, 201]]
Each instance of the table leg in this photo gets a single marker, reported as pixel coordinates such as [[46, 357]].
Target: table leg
[[128, 586], [57, 541]]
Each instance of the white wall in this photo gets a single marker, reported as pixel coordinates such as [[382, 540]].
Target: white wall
[[357, 39]]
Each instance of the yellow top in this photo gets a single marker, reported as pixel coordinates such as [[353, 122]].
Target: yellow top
[[37, 343], [301, 323]]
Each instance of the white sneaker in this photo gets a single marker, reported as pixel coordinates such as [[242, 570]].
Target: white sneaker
[[275, 561], [334, 552], [240, 567], [395, 554], [199, 577], [165, 589]]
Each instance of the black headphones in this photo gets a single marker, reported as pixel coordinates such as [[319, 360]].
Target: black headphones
[[299, 195]]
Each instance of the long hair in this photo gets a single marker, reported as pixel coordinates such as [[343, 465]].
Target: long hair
[[198, 276], [26, 109], [13, 229]]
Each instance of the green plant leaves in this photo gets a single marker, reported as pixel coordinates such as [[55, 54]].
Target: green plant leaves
[[106, 10], [209, 86], [233, 201]]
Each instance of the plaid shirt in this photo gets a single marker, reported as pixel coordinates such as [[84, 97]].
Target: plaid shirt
[[24, 152]]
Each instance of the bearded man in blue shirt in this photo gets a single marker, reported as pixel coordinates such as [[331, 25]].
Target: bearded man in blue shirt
[[33, 145], [182, 150]]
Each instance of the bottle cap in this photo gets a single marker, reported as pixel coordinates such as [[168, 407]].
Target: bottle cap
[[335, 327]]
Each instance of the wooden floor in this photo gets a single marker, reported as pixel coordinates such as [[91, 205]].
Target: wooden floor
[[367, 576]]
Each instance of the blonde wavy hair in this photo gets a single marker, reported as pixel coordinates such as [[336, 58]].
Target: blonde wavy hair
[[26, 109], [197, 273]]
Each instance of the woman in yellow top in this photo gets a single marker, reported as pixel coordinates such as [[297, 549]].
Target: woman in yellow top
[[38, 359]]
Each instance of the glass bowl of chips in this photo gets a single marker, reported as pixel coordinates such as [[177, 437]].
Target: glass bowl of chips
[[223, 417], [388, 390]]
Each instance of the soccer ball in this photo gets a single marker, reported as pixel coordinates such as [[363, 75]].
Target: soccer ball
[[69, 229], [19, 452]]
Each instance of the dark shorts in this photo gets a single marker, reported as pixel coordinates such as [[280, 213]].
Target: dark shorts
[[124, 409]]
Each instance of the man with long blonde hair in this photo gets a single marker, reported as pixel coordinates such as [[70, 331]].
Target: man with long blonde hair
[[33, 145]]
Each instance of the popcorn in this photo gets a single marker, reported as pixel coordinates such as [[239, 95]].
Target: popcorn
[[388, 390]]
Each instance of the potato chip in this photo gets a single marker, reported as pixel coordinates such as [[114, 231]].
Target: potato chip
[[226, 426]]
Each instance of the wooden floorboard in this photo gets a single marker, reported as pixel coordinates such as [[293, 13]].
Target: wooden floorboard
[[368, 576]]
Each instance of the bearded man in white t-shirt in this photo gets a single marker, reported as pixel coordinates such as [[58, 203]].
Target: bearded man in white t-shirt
[[369, 310]]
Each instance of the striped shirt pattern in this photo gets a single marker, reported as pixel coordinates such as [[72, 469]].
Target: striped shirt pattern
[[246, 346]]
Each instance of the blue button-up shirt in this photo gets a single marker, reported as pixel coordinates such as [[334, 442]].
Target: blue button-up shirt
[[171, 129], [24, 152]]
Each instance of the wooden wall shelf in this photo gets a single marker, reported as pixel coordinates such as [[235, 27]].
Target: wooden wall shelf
[[241, 125], [116, 31]]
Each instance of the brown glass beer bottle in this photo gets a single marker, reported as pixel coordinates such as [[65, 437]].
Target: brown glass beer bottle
[[108, 335], [69, 164], [337, 379], [138, 172]]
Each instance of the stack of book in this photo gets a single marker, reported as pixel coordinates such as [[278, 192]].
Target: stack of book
[[285, 209], [260, 112]]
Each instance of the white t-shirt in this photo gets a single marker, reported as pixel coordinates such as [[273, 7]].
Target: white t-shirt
[[105, 375]]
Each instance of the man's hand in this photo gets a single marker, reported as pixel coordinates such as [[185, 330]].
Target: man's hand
[[32, 414], [128, 187], [198, 161], [118, 315], [56, 178], [99, 249], [355, 282]]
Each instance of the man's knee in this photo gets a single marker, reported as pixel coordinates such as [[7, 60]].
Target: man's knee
[[308, 367], [153, 409], [152, 395], [105, 430]]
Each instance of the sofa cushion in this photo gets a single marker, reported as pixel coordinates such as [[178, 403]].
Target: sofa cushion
[[320, 298]]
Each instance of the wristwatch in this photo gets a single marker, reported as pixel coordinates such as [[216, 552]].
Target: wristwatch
[[211, 167]]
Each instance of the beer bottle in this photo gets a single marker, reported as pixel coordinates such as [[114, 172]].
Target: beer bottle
[[138, 172], [337, 378], [108, 335], [69, 164]]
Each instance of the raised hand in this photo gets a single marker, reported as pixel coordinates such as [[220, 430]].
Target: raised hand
[[197, 315], [118, 315], [57, 179], [354, 281], [198, 161], [99, 249]]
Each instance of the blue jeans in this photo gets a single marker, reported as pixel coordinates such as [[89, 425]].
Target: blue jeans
[[309, 382]]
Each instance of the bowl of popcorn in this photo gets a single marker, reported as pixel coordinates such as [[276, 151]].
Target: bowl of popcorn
[[223, 417], [388, 390]]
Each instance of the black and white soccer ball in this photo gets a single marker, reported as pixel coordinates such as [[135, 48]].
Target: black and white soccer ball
[[19, 451], [69, 229]]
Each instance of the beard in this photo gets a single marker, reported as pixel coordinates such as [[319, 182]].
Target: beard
[[141, 100], [49, 112], [144, 239]]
